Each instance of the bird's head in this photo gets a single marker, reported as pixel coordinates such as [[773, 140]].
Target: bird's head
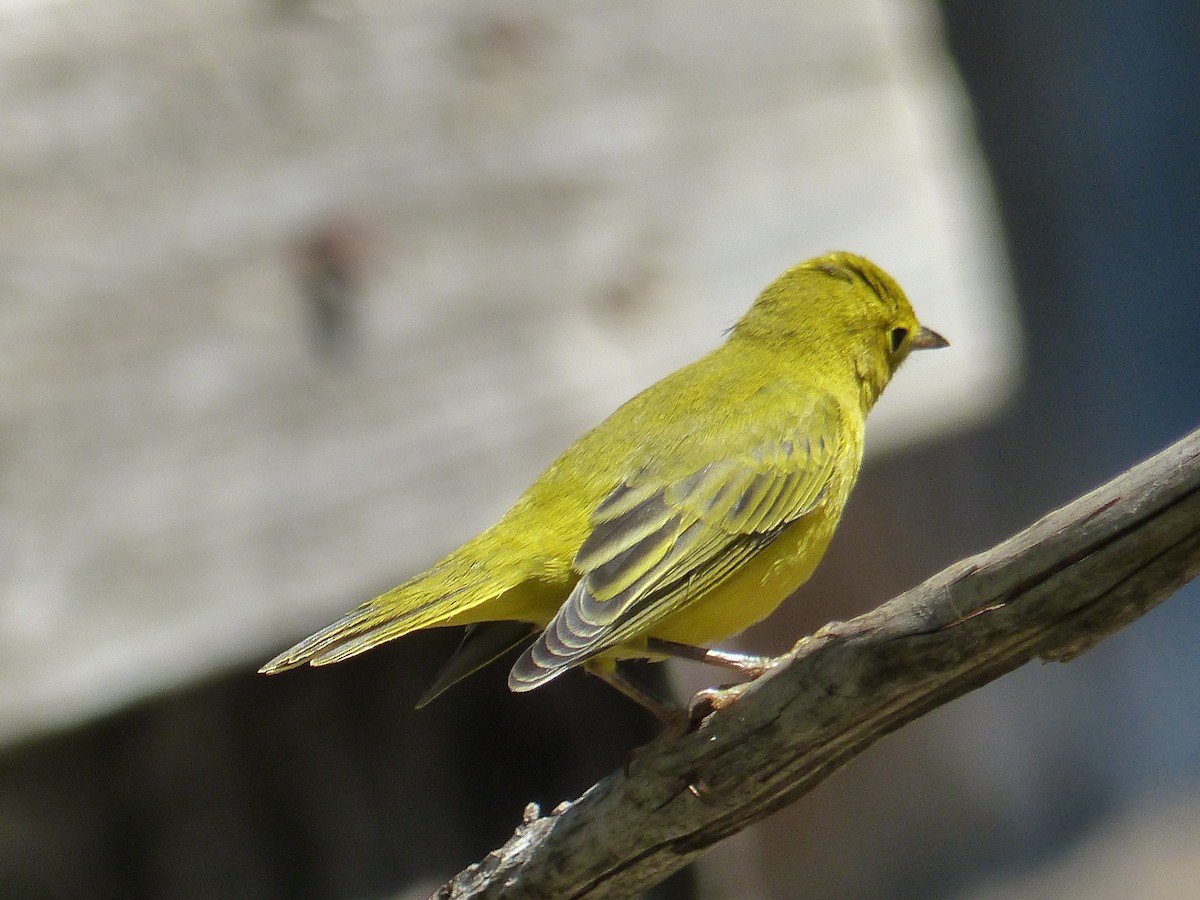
[[840, 314]]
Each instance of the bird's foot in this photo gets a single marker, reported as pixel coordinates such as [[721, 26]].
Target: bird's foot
[[709, 700]]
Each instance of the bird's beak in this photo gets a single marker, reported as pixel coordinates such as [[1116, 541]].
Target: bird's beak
[[928, 339]]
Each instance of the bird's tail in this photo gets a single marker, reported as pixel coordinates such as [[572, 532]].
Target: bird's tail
[[442, 595]]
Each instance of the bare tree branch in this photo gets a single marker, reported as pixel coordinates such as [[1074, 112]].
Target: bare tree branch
[[1052, 591]]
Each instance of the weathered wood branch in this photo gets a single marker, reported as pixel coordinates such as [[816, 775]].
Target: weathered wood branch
[[1051, 592]]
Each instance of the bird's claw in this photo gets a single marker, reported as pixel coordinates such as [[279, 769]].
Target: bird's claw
[[710, 700]]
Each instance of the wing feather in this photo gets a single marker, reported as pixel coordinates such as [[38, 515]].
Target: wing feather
[[657, 545]]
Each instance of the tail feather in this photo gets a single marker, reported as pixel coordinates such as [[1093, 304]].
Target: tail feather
[[481, 644], [377, 621], [316, 644], [358, 638]]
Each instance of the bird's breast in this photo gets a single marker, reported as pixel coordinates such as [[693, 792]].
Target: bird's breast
[[757, 587]]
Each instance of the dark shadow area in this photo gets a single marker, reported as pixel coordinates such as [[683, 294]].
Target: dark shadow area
[[312, 784]]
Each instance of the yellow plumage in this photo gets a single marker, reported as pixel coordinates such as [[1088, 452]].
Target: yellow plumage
[[687, 515]]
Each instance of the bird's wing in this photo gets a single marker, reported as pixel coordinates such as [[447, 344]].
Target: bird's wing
[[655, 545]]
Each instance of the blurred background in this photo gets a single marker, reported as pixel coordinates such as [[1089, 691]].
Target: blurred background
[[296, 296]]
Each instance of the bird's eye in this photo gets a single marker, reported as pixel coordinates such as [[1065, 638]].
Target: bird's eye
[[897, 337]]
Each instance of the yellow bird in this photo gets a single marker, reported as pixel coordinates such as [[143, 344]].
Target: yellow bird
[[686, 516]]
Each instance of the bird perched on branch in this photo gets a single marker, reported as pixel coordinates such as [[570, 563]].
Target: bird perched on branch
[[686, 516]]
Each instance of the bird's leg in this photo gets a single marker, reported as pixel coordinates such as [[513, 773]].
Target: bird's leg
[[676, 720], [674, 717], [744, 663]]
